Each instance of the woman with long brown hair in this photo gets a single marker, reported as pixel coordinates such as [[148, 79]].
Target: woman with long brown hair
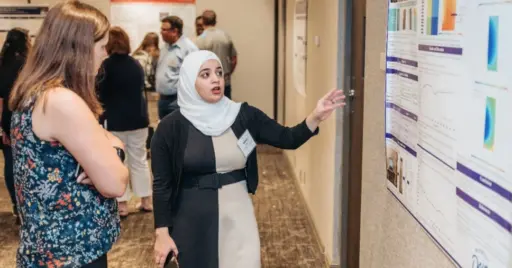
[[69, 217], [12, 58], [147, 55]]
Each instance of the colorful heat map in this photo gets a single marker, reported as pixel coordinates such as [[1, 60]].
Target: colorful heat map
[[490, 121], [492, 44]]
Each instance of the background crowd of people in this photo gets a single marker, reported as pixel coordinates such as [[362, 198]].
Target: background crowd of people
[[76, 132]]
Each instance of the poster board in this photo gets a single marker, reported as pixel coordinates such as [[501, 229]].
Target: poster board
[[28, 16], [139, 17], [449, 123], [300, 45]]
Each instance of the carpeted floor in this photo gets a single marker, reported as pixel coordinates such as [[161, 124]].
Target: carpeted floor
[[287, 238]]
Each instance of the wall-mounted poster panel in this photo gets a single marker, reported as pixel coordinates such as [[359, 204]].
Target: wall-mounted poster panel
[[29, 17], [139, 17], [449, 123], [300, 45]]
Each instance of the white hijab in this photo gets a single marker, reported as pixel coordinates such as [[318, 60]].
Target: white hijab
[[212, 119]]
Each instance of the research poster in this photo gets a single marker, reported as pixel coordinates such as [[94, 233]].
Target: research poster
[[29, 17], [449, 123], [139, 17], [300, 45]]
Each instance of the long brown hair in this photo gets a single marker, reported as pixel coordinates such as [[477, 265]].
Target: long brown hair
[[150, 39], [63, 55]]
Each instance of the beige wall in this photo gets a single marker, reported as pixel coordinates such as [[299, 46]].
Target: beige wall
[[313, 163], [390, 237], [103, 5], [251, 26]]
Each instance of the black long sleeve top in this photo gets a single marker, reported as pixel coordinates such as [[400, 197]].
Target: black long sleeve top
[[170, 141], [8, 74], [121, 86]]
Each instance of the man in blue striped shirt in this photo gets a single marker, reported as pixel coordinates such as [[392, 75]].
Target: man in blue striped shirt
[[177, 47]]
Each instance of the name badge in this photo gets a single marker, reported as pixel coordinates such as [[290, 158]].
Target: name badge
[[246, 143]]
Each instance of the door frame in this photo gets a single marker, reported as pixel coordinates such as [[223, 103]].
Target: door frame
[[276, 59], [280, 71], [351, 56]]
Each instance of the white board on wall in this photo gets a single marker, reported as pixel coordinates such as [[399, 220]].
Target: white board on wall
[[25, 16], [448, 123], [138, 18]]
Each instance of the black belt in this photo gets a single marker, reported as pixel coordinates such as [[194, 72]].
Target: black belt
[[168, 97], [214, 181]]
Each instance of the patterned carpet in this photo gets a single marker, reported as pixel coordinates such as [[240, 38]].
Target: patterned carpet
[[287, 238]]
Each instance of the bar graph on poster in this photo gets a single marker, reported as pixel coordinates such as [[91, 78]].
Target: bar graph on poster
[[139, 17], [449, 123]]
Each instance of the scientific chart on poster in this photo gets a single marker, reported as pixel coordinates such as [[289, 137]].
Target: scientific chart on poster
[[29, 17], [139, 17], [449, 123]]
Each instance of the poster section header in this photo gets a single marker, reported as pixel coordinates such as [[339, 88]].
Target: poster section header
[[448, 128], [12, 10]]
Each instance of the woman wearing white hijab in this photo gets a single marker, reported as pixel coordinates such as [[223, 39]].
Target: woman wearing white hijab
[[204, 165]]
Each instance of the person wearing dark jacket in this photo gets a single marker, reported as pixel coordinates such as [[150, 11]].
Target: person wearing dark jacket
[[204, 165], [12, 58], [121, 85]]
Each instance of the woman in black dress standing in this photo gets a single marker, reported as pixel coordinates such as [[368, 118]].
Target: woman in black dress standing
[[204, 165], [121, 88], [12, 58]]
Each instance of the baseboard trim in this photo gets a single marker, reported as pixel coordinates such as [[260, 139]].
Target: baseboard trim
[[308, 212]]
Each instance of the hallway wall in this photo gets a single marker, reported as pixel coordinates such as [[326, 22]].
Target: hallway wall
[[313, 163], [390, 236], [251, 26]]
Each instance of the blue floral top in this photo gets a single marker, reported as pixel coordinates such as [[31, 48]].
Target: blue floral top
[[64, 223]]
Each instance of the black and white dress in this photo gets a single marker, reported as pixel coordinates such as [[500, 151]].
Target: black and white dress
[[215, 228], [202, 183]]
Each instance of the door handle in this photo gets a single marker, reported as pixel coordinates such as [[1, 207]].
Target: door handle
[[351, 94], [351, 97]]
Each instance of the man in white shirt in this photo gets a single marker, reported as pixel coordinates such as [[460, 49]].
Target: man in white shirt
[[176, 48]]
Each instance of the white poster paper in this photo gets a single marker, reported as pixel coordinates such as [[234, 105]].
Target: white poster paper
[[138, 19], [448, 123]]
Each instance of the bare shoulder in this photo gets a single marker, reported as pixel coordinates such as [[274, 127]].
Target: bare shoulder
[[60, 95], [61, 106], [57, 111], [64, 101]]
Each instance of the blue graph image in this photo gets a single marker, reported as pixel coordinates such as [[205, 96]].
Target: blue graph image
[[490, 121], [492, 44]]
